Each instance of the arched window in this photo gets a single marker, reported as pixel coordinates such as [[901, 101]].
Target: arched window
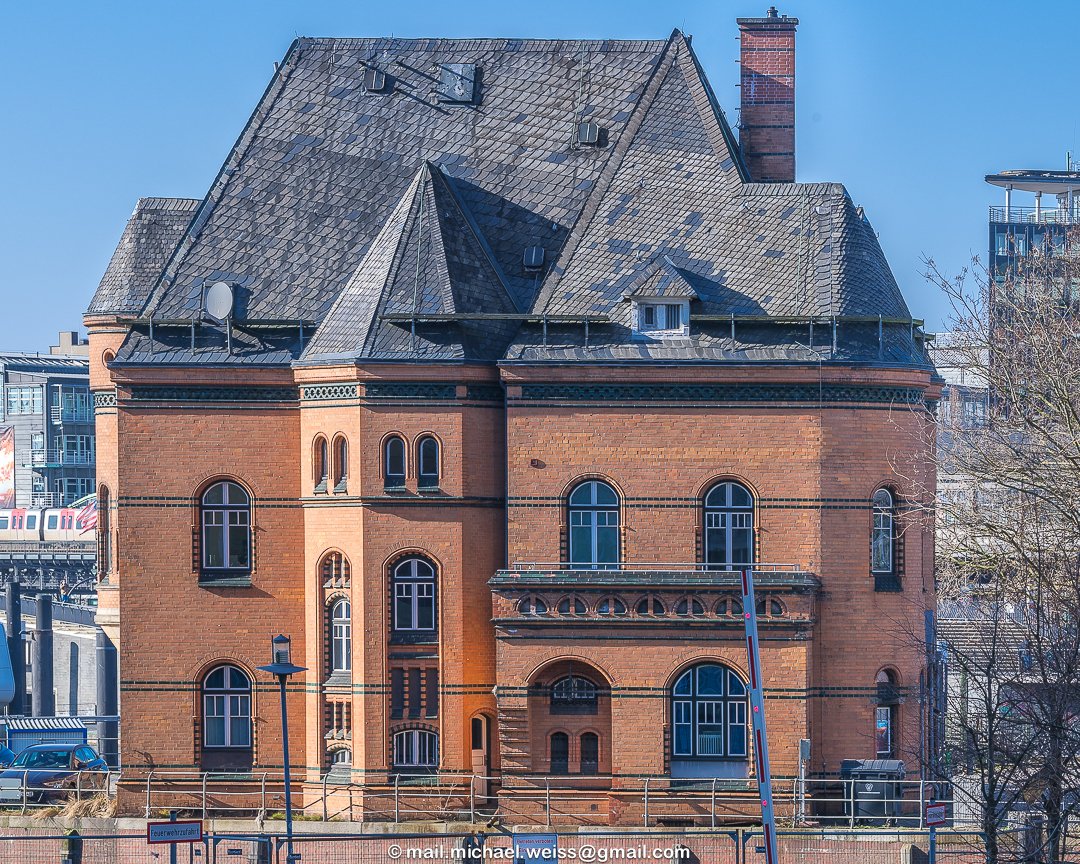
[[574, 694], [341, 764], [104, 533], [341, 464], [651, 605], [611, 606], [590, 753], [729, 526], [320, 463], [886, 714], [571, 606], [414, 598], [227, 709], [883, 533], [729, 607], [416, 750], [428, 456], [560, 753], [394, 462], [341, 636], [594, 525], [226, 530], [769, 607], [708, 714], [689, 606], [532, 605]]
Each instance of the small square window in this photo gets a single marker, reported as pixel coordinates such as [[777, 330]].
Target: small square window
[[662, 319]]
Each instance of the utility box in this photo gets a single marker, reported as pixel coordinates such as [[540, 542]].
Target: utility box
[[874, 789], [24, 731]]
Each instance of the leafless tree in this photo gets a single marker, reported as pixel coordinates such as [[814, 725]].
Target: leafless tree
[[1008, 539]]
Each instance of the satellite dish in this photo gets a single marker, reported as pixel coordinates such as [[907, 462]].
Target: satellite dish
[[219, 301]]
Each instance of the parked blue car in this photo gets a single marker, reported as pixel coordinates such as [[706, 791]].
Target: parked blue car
[[52, 772]]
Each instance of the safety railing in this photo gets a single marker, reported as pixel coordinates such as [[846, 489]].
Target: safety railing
[[553, 800], [26, 789], [47, 458], [673, 566], [1037, 215]]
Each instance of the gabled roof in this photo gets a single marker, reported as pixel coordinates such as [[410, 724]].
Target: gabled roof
[[151, 234], [430, 259], [661, 278]]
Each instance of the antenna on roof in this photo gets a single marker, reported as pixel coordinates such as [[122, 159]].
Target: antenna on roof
[[219, 301]]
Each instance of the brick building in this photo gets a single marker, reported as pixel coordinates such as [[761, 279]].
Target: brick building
[[518, 358]]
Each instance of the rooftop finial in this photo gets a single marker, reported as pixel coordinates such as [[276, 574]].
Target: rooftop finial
[[772, 13]]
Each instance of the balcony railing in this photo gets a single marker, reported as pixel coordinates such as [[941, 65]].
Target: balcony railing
[[60, 458], [1035, 215], [44, 499], [652, 573]]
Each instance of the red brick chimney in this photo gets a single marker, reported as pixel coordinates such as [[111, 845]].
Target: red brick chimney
[[767, 116]]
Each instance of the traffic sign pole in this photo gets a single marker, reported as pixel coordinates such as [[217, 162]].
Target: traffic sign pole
[[757, 715]]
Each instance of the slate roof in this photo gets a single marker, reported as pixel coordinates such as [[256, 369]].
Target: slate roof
[[151, 234], [429, 259], [350, 209]]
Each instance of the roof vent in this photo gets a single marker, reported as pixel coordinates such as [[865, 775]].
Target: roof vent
[[374, 80], [588, 134], [457, 82], [534, 258]]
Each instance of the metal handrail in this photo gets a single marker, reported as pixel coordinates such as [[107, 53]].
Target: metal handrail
[[1033, 215], [674, 566]]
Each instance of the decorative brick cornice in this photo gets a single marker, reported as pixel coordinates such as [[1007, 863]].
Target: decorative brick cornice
[[213, 394], [409, 390], [105, 400], [801, 393]]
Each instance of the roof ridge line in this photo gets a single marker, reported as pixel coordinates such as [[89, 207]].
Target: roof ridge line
[[236, 155], [607, 175], [395, 262]]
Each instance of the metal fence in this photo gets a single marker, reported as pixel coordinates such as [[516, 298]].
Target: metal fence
[[675, 847]]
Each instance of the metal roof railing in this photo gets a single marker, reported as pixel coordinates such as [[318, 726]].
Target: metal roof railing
[[1034, 215]]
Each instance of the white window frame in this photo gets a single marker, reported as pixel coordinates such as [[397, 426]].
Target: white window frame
[[414, 587], [883, 533], [663, 309], [416, 748], [341, 635], [226, 704]]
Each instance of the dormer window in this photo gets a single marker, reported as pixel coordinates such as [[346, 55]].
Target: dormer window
[[662, 318]]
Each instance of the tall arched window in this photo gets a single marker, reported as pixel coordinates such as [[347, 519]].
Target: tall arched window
[[414, 598], [341, 463], [428, 456], [226, 530], [104, 533], [227, 709], [320, 463], [594, 525], [883, 533], [708, 714], [729, 526], [590, 753], [394, 462], [416, 751], [341, 636], [560, 753], [886, 715]]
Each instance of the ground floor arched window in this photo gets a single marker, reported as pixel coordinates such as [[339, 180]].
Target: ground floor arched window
[[709, 723]]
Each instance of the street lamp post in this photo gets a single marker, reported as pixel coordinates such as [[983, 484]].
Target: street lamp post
[[282, 667]]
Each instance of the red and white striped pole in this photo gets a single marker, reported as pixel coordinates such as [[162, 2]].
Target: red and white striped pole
[[757, 717]]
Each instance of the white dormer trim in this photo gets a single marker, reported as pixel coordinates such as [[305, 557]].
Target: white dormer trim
[[660, 317]]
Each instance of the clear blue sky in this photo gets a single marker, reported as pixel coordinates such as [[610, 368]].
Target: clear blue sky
[[908, 104]]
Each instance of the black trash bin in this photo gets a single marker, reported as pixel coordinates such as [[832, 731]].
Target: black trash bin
[[873, 789]]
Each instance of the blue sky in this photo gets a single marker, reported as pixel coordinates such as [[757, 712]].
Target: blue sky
[[907, 104]]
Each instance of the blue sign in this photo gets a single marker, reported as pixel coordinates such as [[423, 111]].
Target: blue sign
[[535, 848]]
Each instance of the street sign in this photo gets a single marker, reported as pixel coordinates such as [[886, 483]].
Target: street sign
[[184, 831], [535, 848], [935, 815]]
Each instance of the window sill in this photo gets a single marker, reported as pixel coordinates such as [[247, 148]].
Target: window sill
[[395, 490], [215, 581], [429, 490], [341, 488], [339, 678], [320, 488]]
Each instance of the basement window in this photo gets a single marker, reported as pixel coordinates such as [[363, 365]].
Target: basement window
[[661, 318]]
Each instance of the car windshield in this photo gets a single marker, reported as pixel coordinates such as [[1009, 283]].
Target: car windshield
[[42, 759]]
